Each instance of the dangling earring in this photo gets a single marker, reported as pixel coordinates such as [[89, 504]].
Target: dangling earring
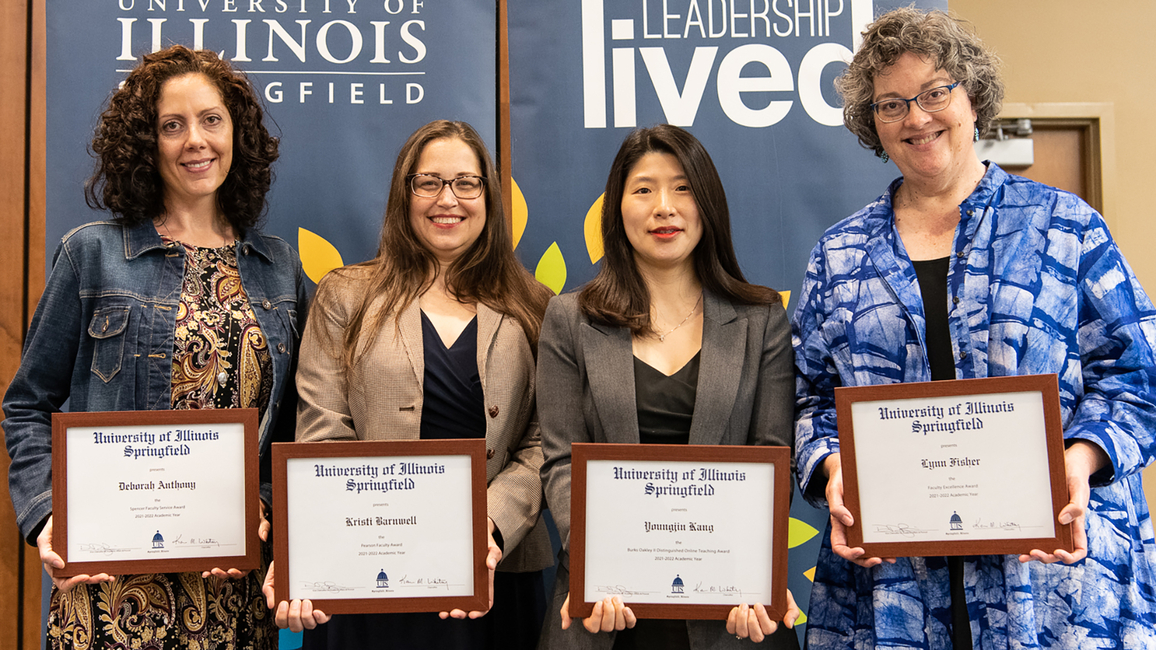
[[976, 135], [885, 158]]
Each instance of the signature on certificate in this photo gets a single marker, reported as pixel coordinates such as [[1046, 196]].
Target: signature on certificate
[[325, 585], [903, 530], [100, 548], [619, 590], [196, 541], [729, 590], [995, 525], [435, 582]]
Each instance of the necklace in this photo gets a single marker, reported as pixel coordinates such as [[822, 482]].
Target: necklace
[[662, 337], [163, 224]]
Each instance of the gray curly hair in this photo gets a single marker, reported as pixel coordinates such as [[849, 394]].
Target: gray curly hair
[[949, 42]]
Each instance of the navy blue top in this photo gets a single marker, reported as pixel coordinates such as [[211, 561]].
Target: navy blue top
[[454, 405]]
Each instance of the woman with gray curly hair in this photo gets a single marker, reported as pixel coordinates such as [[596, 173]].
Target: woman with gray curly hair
[[960, 270]]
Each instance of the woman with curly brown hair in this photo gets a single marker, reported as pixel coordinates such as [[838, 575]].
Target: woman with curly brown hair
[[961, 271], [178, 302]]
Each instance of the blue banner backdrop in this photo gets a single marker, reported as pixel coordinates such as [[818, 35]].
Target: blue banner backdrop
[[345, 83], [752, 79]]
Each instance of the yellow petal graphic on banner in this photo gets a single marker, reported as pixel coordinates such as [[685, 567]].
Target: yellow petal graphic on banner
[[592, 228], [318, 256], [802, 618], [786, 297], [521, 214], [799, 533], [810, 573], [551, 269]]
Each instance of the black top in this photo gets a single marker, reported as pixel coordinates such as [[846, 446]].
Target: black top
[[454, 405], [932, 276], [665, 409], [665, 404]]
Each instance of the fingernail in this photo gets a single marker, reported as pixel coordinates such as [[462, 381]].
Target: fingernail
[[1065, 518]]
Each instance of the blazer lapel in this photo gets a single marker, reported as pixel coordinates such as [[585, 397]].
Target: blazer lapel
[[724, 339], [610, 371], [488, 322], [409, 323]]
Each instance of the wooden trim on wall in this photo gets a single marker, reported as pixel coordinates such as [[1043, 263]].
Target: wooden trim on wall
[[22, 130], [505, 165], [1100, 142]]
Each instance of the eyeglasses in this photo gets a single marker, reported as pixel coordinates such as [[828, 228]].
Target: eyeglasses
[[931, 100], [430, 186]]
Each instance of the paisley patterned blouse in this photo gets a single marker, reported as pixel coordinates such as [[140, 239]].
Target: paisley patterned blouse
[[1036, 286], [220, 360]]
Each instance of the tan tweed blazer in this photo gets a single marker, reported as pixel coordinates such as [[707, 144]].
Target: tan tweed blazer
[[381, 399]]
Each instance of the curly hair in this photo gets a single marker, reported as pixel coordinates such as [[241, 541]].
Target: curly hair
[[488, 272], [947, 41], [126, 180], [618, 295]]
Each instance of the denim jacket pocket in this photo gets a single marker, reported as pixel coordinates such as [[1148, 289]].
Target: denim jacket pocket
[[295, 327], [107, 328]]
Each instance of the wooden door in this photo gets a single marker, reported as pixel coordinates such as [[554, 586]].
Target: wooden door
[[1067, 156]]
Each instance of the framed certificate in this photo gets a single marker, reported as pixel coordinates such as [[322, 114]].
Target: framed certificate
[[962, 467], [155, 491], [679, 531], [382, 526]]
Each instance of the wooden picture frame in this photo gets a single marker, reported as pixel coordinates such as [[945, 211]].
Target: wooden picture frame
[[112, 502], [707, 465], [329, 521], [975, 433]]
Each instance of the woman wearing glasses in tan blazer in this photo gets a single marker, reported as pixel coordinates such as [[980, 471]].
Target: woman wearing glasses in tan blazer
[[435, 338]]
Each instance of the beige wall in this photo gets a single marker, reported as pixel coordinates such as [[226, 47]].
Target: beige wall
[[1075, 51]]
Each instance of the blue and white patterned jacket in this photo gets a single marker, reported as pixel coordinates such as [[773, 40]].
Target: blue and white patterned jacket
[[1036, 285]]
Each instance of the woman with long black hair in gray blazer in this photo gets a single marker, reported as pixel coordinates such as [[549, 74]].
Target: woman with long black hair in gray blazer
[[710, 356]]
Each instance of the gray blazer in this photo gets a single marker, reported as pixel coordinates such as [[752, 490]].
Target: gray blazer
[[746, 387], [381, 399]]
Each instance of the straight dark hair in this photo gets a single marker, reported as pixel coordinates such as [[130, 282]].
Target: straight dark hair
[[488, 272], [618, 295]]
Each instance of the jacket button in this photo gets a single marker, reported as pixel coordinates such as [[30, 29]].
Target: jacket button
[[489, 454], [955, 300], [493, 411], [266, 305], [281, 348], [963, 355]]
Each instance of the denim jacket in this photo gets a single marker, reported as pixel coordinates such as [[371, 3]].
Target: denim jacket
[[102, 340]]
